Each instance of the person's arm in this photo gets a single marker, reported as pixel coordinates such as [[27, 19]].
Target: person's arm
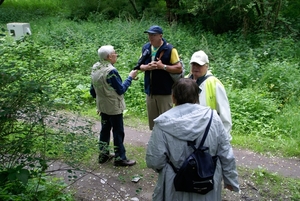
[[223, 108], [156, 151], [176, 66], [227, 160], [114, 79]]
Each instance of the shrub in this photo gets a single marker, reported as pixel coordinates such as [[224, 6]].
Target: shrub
[[282, 79], [27, 88], [252, 110]]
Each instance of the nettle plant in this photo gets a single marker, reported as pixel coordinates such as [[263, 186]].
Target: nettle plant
[[281, 79], [252, 110], [32, 133]]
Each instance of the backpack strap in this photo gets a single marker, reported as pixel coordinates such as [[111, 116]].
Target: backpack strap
[[192, 143], [206, 130], [203, 79], [161, 53]]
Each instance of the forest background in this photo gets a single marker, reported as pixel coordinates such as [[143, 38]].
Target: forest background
[[253, 47]]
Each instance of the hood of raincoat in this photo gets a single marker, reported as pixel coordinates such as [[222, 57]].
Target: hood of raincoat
[[184, 121]]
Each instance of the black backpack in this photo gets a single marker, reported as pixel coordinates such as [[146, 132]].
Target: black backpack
[[197, 172]]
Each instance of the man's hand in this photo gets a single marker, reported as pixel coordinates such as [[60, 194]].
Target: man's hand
[[159, 64], [133, 74], [152, 66]]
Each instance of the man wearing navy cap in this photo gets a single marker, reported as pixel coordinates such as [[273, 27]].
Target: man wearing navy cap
[[163, 59]]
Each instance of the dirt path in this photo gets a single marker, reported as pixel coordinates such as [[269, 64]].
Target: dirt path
[[108, 183], [289, 167], [282, 166]]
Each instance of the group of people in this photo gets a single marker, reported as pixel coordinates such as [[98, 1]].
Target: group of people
[[177, 112]]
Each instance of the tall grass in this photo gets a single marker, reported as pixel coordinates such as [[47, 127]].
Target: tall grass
[[260, 72], [47, 6]]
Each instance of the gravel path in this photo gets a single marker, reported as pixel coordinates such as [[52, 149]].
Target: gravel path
[[288, 167]]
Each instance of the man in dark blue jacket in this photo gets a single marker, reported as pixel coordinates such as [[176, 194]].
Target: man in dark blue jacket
[[162, 61]]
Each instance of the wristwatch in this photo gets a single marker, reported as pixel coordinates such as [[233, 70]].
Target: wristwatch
[[165, 67]]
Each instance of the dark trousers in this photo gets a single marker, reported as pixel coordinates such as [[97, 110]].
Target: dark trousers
[[114, 122]]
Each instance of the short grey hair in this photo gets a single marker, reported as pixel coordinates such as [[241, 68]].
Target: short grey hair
[[105, 50]]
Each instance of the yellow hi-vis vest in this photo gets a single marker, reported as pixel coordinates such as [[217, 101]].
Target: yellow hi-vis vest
[[210, 88]]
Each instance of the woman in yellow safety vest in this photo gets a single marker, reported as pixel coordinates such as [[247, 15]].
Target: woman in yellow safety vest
[[212, 91]]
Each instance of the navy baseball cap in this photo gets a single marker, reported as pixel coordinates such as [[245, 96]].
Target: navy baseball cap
[[154, 30]]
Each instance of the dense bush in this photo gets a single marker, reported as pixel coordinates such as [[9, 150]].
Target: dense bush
[[30, 86], [252, 109]]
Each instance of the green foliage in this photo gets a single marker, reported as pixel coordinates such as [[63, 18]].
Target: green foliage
[[287, 121], [247, 16], [28, 9], [248, 62], [259, 122], [30, 83], [43, 189], [267, 184], [51, 70], [220, 16], [281, 78], [252, 110]]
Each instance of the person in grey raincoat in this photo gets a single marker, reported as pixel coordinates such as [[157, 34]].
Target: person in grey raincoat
[[187, 122]]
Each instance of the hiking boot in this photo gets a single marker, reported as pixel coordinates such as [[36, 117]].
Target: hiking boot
[[124, 163], [103, 158]]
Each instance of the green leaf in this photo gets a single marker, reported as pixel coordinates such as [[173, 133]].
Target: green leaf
[[23, 176]]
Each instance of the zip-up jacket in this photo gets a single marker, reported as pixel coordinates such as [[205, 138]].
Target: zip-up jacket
[[213, 94]]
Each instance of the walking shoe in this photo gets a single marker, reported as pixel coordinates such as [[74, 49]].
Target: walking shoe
[[103, 158], [124, 163]]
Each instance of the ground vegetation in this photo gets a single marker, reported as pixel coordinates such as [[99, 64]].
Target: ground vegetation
[[49, 71]]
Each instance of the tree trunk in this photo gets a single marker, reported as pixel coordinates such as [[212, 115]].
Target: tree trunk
[[134, 7], [172, 6]]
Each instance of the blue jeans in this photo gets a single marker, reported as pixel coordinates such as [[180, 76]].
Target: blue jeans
[[114, 122]]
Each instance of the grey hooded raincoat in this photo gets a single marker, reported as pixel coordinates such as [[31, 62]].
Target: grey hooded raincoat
[[169, 138]]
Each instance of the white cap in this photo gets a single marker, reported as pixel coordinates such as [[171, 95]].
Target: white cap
[[105, 50], [200, 58]]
